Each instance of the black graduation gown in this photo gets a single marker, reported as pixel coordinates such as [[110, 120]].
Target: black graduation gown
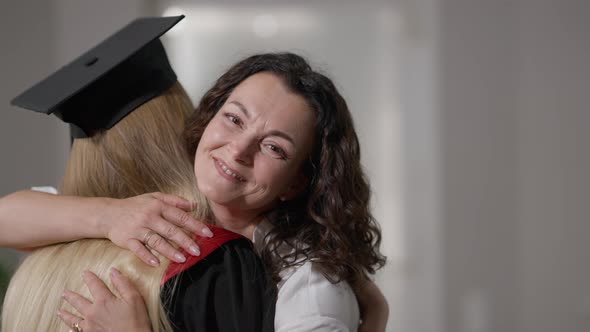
[[226, 288]]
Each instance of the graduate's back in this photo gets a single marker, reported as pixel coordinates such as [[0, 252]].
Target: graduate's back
[[142, 153]]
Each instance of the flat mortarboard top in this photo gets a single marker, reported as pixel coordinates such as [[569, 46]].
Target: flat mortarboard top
[[102, 86]]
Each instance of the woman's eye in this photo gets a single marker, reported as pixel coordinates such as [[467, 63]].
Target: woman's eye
[[277, 150], [234, 119]]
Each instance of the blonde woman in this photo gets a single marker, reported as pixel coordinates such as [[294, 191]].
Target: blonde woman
[[135, 151]]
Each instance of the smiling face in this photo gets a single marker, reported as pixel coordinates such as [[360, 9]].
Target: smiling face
[[251, 153]]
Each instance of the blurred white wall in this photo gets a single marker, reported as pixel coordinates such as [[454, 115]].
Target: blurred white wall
[[505, 132], [27, 141], [421, 307], [479, 185], [554, 163]]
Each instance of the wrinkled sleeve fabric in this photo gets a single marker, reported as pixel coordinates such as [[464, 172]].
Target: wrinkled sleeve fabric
[[315, 323], [308, 301], [229, 290]]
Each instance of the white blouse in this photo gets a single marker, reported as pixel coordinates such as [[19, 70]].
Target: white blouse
[[308, 301]]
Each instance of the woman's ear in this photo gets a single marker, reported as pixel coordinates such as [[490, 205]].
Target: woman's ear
[[297, 186]]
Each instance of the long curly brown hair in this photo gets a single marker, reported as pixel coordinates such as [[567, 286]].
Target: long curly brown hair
[[330, 223]]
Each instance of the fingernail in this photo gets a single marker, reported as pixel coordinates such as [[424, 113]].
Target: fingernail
[[195, 250], [207, 232], [179, 258], [154, 262]]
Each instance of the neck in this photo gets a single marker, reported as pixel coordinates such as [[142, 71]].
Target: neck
[[235, 220]]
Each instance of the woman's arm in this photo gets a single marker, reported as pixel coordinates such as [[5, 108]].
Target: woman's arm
[[373, 306], [33, 219]]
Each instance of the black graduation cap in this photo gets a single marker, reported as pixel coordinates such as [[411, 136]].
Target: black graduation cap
[[102, 86]]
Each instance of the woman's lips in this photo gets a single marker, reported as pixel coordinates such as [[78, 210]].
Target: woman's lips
[[227, 172]]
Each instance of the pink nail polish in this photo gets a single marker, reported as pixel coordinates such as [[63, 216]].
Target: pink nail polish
[[207, 232], [195, 250], [179, 258]]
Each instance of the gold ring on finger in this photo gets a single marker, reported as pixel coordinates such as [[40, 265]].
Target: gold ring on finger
[[76, 327], [148, 236]]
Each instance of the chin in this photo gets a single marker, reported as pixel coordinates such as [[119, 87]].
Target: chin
[[205, 189], [212, 194]]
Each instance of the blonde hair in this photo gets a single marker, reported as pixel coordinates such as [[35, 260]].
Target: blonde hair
[[142, 153]]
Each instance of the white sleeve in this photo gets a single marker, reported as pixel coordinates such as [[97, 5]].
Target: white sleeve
[[313, 324], [308, 301], [45, 189]]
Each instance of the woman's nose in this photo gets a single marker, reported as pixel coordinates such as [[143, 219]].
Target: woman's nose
[[242, 149]]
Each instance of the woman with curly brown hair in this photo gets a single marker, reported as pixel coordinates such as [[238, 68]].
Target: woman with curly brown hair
[[278, 159], [319, 235]]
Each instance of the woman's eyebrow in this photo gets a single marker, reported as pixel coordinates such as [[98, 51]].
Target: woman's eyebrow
[[281, 134], [272, 132], [241, 107]]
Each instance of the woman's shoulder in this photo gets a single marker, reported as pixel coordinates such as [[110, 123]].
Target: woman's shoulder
[[307, 296]]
